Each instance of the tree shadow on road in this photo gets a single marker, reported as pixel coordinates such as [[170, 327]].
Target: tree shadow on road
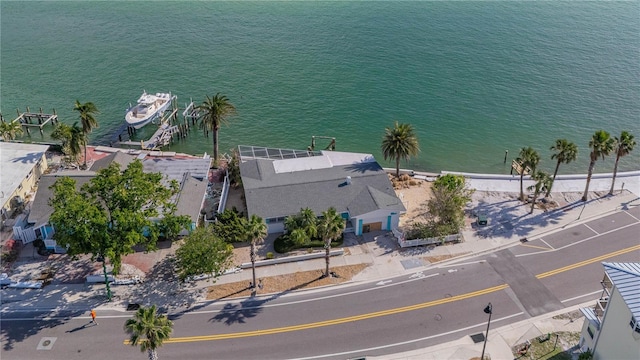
[[250, 307]]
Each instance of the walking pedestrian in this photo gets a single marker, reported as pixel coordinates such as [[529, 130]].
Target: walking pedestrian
[[93, 317]]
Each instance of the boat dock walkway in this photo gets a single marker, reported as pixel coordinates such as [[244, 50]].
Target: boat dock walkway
[[161, 137]]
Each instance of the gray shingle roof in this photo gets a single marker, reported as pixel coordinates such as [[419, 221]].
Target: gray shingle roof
[[40, 208], [174, 169], [626, 278], [269, 194], [118, 157], [191, 198]]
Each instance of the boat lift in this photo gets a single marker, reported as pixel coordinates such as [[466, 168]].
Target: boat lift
[[331, 146]]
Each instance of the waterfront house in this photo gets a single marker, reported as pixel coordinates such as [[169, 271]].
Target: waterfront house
[[191, 175], [279, 182]]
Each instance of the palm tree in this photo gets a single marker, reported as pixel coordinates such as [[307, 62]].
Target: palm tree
[[298, 237], [88, 121], [601, 145], [256, 231], [399, 142], [308, 222], [149, 330], [216, 110], [9, 130], [624, 145], [330, 226], [528, 158], [71, 137], [565, 152], [543, 182]]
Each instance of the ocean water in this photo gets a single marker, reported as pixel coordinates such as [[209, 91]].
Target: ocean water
[[474, 78]]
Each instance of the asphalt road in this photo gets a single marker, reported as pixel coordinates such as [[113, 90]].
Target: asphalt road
[[398, 314]]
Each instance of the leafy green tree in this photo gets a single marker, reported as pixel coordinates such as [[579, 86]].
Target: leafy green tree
[[543, 182], [399, 142], [601, 145], [565, 152], [216, 111], [330, 226], [528, 157], [9, 130], [71, 138], [87, 112], [256, 231], [203, 252], [149, 330], [113, 212], [229, 225], [623, 146], [446, 205]]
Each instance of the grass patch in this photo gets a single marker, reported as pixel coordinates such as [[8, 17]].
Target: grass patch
[[564, 349]]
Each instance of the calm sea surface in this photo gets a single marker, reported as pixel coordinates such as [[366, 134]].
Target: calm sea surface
[[474, 78]]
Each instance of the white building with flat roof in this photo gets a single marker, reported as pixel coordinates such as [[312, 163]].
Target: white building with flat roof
[[20, 168]]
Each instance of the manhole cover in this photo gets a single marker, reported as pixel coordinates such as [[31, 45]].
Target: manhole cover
[[46, 343], [477, 338]]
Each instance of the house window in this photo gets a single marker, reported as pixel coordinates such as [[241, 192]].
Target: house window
[[20, 187], [29, 174], [634, 325], [590, 331]]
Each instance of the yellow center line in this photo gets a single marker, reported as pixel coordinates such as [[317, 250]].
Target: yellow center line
[[384, 312], [587, 262], [333, 321]]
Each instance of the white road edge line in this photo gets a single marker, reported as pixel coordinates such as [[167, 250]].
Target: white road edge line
[[580, 241], [546, 243], [589, 227], [405, 342], [581, 296]]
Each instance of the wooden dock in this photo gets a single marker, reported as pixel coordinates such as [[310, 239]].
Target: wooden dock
[[29, 119]]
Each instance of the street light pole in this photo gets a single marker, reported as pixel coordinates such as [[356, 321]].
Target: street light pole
[[487, 310]]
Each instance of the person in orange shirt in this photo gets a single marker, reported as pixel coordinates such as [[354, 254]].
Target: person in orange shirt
[[93, 317]]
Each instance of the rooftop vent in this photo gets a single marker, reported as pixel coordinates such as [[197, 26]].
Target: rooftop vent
[[348, 180]]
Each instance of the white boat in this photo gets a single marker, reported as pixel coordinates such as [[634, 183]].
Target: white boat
[[148, 108]]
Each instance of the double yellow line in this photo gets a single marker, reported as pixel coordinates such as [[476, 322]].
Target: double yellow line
[[384, 312], [587, 262], [335, 321]]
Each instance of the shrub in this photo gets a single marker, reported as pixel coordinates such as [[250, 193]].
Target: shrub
[[283, 244], [270, 255], [10, 251]]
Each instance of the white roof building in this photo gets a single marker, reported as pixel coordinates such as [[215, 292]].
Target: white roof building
[[612, 328], [20, 168]]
